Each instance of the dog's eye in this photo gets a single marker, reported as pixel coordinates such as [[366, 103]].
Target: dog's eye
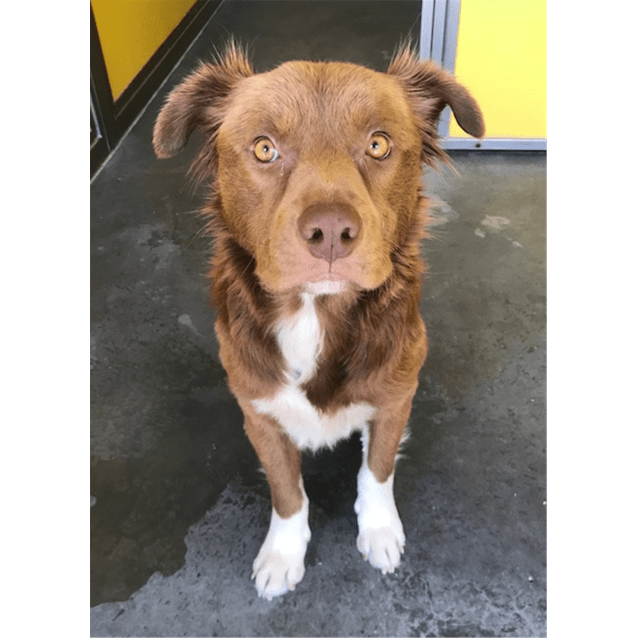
[[265, 150], [378, 146]]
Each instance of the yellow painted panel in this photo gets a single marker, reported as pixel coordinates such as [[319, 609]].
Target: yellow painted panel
[[502, 59], [131, 31]]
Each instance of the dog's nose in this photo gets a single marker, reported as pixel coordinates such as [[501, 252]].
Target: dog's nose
[[330, 230]]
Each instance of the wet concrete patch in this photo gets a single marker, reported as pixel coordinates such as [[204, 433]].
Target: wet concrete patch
[[166, 435], [144, 504]]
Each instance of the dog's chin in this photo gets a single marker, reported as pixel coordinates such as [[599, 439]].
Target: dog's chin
[[319, 283], [327, 286]]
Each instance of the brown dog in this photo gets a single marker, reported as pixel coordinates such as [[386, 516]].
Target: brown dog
[[317, 215]]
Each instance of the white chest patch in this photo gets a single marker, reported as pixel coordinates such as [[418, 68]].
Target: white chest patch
[[300, 338]]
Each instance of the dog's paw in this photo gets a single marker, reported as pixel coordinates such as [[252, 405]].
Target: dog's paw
[[382, 546], [276, 573], [381, 538], [279, 565]]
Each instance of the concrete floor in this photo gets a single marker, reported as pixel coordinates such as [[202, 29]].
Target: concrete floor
[[180, 508]]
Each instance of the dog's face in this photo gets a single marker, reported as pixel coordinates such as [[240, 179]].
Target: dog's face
[[316, 165]]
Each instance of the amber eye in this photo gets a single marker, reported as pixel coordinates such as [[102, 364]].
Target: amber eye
[[378, 146], [265, 150]]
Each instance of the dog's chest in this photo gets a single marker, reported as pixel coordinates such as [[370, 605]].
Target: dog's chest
[[300, 338]]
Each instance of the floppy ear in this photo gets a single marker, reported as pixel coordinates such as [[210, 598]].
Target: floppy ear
[[430, 89], [198, 102]]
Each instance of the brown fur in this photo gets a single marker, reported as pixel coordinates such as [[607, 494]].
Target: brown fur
[[320, 114]]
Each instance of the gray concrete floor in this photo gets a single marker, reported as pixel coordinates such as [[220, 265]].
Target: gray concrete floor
[[180, 507]]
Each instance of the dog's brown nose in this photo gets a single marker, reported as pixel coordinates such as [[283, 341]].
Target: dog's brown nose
[[330, 230]]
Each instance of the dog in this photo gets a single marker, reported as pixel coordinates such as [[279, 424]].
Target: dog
[[317, 212]]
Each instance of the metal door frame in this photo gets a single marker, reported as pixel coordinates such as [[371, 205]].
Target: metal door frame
[[439, 35]]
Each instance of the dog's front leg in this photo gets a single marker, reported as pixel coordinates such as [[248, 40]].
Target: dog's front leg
[[279, 565], [381, 538]]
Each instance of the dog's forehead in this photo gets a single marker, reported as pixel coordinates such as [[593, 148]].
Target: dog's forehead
[[299, 96]]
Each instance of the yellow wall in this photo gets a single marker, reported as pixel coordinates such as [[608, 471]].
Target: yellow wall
[[501, 57], [131, 31]]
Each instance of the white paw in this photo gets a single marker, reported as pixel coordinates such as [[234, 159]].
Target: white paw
[[381, 539], [279, 565], [276, 573], [382, 546]]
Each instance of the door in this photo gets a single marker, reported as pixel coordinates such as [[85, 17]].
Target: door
[[497, 49]]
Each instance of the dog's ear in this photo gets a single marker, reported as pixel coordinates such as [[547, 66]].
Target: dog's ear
[[430, 89], [197, 101]]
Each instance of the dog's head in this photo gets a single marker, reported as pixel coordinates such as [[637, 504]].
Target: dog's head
[[316, 165]]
